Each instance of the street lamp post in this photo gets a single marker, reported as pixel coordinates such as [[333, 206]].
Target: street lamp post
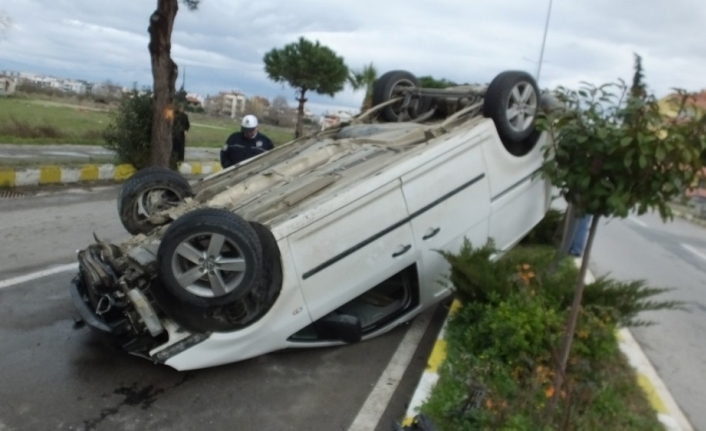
[[544, 40]]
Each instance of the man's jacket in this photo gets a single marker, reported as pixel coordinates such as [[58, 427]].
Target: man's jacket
[[239, 148]]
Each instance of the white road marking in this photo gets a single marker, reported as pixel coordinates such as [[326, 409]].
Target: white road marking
[[638, 221], [693, 251], [39, 274], [369, 415]]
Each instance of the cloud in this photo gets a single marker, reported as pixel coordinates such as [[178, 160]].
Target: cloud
[[221, 44]]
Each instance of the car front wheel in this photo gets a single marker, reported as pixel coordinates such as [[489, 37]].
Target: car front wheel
[[210, 257]]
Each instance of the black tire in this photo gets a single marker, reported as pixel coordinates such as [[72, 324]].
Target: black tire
[[136, 187], [197, 228], [499, 100], [385, 85]]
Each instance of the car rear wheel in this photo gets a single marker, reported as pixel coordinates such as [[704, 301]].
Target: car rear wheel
[[512, 102], [148, 192], [210, 257], [387, 88]]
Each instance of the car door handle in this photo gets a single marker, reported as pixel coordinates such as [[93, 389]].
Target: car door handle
[[402, 250], [431, 232]]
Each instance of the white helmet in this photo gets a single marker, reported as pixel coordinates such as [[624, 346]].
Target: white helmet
[[249, 122]]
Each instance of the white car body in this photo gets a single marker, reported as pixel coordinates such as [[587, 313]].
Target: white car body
[[499, 198], [352, 207]]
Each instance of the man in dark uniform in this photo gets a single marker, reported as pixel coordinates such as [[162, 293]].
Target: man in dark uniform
[[247, 143], [181, 126]]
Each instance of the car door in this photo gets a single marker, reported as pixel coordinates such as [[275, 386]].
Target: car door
[[358, 246], [448, 199]]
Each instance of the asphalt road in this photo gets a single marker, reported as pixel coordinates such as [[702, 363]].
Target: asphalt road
[[27, 155], [55, 375], [665, 255]]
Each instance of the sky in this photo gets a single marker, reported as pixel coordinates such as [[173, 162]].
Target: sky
[[221, 45]]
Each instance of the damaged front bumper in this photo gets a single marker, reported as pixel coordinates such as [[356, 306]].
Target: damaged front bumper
[[111, 293]]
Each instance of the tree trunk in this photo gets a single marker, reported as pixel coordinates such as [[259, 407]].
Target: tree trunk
[[164, 73], [299, 131], [573, 316]]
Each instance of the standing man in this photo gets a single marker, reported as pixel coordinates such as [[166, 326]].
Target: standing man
[[244, 144], [181, 127]]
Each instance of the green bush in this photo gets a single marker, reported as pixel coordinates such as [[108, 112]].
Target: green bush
[[501, 355], [129, 134], [478, 279]]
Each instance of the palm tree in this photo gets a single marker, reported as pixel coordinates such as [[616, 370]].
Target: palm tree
[[364, 79]]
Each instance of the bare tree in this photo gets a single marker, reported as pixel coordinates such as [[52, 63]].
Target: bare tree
[[255, 107], [279, 112]]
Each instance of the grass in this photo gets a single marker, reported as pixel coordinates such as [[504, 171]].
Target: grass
[[501, 348], [28, 121], [45, 120]]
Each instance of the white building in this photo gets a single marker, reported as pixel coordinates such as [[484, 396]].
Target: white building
[[231, 103], [7, 85]]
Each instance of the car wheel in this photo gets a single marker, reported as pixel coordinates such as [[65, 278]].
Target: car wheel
[[385, 88], [512, 101], [148, 192], [210, 257]]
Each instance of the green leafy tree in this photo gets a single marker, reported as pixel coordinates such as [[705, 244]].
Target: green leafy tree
[[130, 130], [365, 79], [164, 74], [614, 152], [306, 66]]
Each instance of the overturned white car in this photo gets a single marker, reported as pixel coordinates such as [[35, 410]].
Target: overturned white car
[[329, 239]]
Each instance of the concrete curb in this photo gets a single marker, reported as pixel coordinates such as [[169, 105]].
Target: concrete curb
[[431, 372], [55, 174], [688, 217], [661, 400]]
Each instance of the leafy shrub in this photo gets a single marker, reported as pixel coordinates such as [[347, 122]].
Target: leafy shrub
[[616, 301], [129, 134], [501, 363], [477, 278]]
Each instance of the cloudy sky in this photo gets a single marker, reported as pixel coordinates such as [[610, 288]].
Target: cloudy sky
[[222, 44]]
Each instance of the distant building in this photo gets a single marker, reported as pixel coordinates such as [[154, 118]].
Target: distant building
[[73, 86], [194, 101], [329, 120], [230, 103], [693, 108], [107, 89], [7, 85]]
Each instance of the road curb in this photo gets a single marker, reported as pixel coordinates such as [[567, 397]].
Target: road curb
[[431, 373], [661, 400], [55, 174], [689, 217]]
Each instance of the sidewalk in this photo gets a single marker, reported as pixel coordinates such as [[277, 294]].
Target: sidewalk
[[31, 165]]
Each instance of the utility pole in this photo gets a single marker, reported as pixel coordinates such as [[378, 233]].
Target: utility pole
[[544, 40]]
